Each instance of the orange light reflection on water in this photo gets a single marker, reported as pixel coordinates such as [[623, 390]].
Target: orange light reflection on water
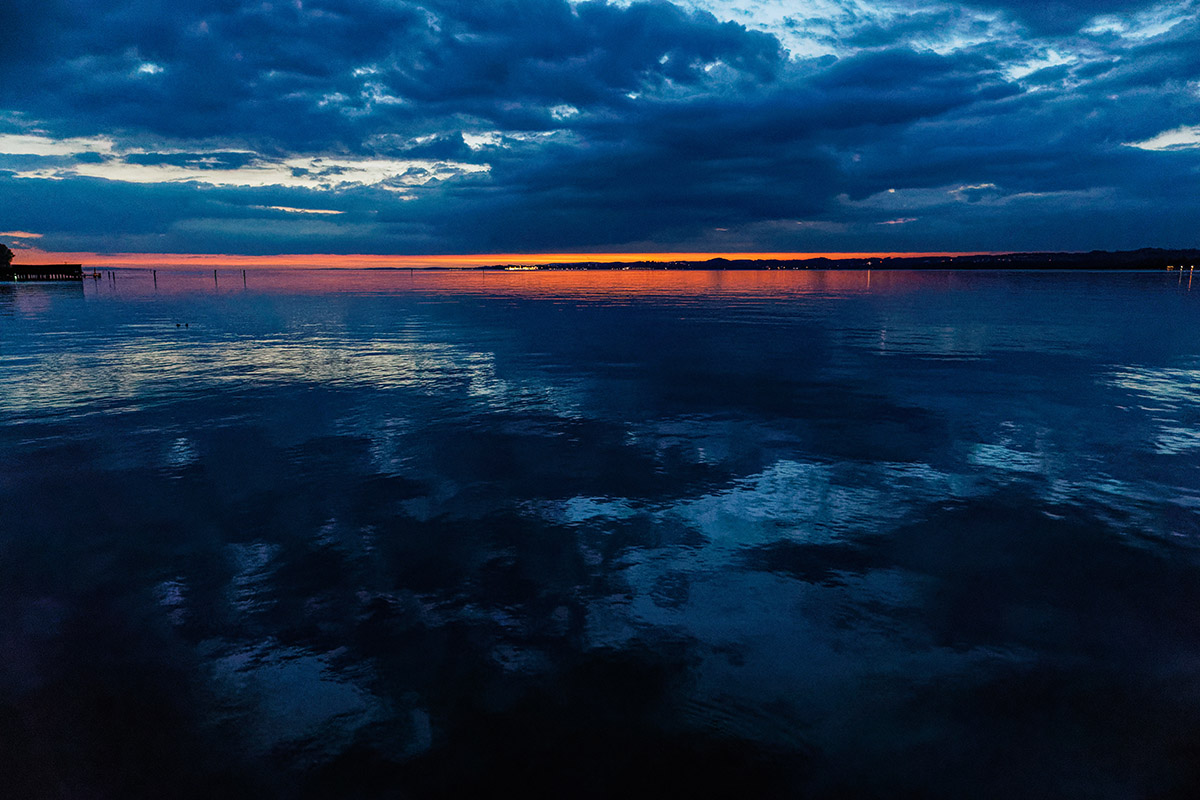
[[574, 284]]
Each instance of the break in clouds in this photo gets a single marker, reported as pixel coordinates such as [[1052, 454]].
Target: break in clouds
[[385, 126]]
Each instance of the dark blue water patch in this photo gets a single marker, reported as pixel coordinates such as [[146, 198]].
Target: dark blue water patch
[[1005, 571], [604, 729], [937, 542]]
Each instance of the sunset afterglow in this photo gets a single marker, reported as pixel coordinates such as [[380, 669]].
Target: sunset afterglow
[[327, 261]]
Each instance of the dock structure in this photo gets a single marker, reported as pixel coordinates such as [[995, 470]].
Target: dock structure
[[41, 272]]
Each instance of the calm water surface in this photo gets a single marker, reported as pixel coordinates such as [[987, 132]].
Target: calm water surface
[[382, 534]]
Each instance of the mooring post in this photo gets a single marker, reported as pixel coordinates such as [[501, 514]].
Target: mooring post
[[155, 273], [214, 277], [243, 279]]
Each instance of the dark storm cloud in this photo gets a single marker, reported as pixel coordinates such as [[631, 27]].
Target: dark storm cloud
[[545, 50], [598, 126], [1060, 16], [683, 167], [287, 69], [199, 69]]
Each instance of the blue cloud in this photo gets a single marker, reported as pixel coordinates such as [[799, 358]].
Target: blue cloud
[[1061, 16]]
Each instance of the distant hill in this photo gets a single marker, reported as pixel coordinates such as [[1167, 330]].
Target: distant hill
[[1144, 259]]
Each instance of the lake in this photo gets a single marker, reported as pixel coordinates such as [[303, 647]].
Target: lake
[[591, 534]]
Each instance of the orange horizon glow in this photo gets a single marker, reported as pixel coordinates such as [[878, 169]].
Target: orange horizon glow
[[364, 261]]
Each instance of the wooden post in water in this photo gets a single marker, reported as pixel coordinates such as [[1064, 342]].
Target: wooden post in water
[[243, 279], [214, 278], [155, 273]]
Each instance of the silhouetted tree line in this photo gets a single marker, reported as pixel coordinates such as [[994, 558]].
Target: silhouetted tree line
[[6, 255]]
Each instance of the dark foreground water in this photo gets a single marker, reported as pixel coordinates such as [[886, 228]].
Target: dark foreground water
[[824, 535]]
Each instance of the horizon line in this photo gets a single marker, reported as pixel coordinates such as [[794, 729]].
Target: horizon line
[[452, 261]]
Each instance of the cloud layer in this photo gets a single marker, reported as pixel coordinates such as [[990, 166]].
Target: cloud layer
[[534, 125]]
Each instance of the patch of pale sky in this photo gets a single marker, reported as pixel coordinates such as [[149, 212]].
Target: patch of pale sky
[[32, 144], [291, 210], [314, 172], [302, 172], [475, 139], [371, 95], [478, 141], [377, 94], [1184, 137], [921, 198], [962, 192], [1145, 24], [1043, 60]]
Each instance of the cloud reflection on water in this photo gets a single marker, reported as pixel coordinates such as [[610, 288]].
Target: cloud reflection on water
[[445, 535]]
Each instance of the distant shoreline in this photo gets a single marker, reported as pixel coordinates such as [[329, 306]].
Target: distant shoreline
[[1148, 259]]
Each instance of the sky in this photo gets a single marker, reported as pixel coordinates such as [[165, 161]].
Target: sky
[[391, 127]]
